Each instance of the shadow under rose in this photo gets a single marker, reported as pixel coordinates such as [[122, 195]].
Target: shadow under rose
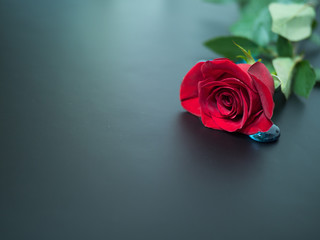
[[280, 102], [214, 149], [293, 106]]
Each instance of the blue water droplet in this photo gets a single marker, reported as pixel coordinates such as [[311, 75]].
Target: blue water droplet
[[270, 136]]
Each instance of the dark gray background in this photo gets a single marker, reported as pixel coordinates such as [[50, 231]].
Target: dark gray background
[[95, 145]]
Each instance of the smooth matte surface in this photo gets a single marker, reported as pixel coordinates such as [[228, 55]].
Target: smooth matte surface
[[95, 145]]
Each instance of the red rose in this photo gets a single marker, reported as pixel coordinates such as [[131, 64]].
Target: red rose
[[228, 96]]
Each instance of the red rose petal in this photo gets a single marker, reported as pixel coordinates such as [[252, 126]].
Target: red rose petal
[[189, 90], [260, 124], [221, 66], [209, 71], [264, 85], [265, 97], [229, 125], [260, 71], [213, 113], [235, 124], [207, 89], [223, 103], [244, 66], [209, 122]]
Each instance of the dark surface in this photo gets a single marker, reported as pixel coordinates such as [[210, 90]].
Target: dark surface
[[94, 143]]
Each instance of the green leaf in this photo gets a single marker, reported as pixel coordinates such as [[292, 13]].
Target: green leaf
[[317, 71], [255, 25], [284, 68], [259, 2], [220, 1], [304, 79], [276, 80], [314, 24], [240, 2], [269, 66], [292, 21], [284, 47], [225, 46]]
